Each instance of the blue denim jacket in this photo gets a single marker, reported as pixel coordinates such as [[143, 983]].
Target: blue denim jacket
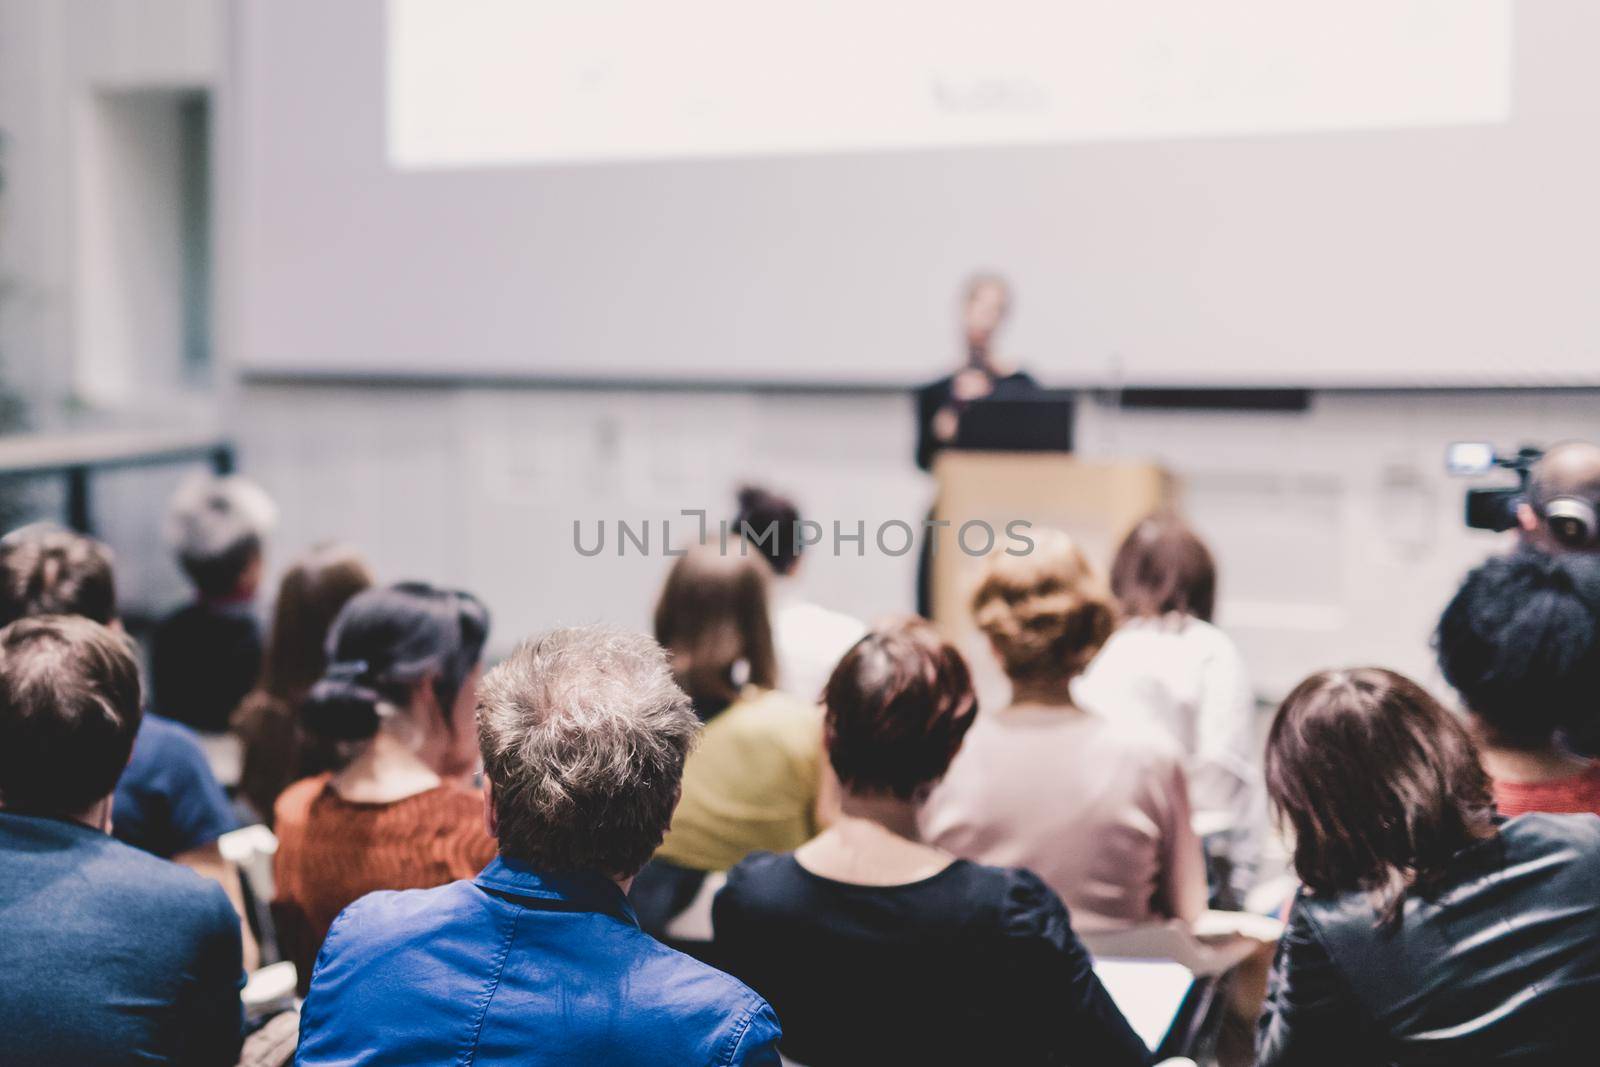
[[520, 967]]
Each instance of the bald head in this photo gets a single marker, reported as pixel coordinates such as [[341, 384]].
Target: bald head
[[1563, 495], [1568, 469]]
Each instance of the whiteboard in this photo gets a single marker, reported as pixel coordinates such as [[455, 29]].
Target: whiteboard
[[1377, 193]]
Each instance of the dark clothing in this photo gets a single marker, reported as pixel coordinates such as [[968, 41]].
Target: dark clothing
[[973, 965], [936, 395], [203, 660], [278, 750], [1501, 964], [518, 967], [109, 955], [168, 801]]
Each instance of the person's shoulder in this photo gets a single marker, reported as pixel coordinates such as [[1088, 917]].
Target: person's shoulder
[[763, 878], [137, 878], [164, 748], [1140, 743], [1021, 904], [293, 806], [1546, 832], [686, 986], [158, 731]]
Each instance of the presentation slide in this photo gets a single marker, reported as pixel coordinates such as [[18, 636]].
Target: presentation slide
[[1372, 193], [506, 82]]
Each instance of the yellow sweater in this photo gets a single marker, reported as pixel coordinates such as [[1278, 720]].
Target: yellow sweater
[[750, 785]]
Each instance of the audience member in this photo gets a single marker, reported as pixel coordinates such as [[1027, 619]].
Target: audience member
[[809, 638], [400, 690], [539, 960], [1425, 932], [1560, 513], [1097, 807], [205, 656], [1168, 666], [1520, 642], [277, 748], [107, 954], [754, 781], [875, 947], [168, 802]]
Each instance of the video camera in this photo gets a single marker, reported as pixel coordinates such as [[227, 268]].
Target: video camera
[[1492, 508]]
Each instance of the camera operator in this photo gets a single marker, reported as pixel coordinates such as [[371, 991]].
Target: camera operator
[[1561, 511]]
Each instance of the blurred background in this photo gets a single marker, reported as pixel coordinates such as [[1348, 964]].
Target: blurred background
[[450, 276]]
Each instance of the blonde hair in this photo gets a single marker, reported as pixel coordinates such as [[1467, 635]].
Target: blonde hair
[[1047, 613]]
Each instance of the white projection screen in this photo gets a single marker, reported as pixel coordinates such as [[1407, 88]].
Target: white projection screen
[[1231, 193]]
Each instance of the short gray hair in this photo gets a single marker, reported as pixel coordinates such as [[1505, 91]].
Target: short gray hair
[[584, 735], [216, 525]]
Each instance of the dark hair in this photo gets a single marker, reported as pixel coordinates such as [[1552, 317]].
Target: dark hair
[[898, 705], [313, 591], [69, 711], [48, 570], [770, 523], [383, 643], [1520, 641], [712, 616], [1162, 567], [1381, 784]]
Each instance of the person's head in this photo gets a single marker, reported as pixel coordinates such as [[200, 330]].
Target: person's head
[[404, 659], [771, 524], [712, 620], [314, 590], [69, 711], [898, 705], [216, 526], [1163, 568], [1380, 783], [986, 299], [584, 734], [1560, 513], [1520, 641], [1046, 613], [48, 570]]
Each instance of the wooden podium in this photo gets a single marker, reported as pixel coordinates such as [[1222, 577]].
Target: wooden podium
[[1095, 502]]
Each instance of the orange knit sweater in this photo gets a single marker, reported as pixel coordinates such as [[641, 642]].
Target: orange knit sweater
[[332, 851]]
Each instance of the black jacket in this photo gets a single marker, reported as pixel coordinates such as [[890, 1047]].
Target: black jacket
[[1501, 965]]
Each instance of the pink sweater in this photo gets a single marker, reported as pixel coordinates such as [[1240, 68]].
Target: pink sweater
[[1098, 810]]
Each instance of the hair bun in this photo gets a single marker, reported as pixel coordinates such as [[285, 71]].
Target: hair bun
[[342, 709]]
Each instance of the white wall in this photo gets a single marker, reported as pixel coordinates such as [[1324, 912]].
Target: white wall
[[1338, 534]]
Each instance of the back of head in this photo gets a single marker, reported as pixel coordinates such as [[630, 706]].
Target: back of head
[[69, 712], [384, 642], [314, 590], [584, 736], [1163, 568], [48, 570], [771, 523], [1520, 641], [1381, 784], [712, 619], [216, 526], [898, 705], [1564, 493], [1045, 612]]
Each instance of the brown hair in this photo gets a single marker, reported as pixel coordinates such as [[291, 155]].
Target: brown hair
[[1381, 784], [310, 596], [1046, 612], [712, 615], [899, 704], [69, 711], [1163, 567], [48, 570]]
